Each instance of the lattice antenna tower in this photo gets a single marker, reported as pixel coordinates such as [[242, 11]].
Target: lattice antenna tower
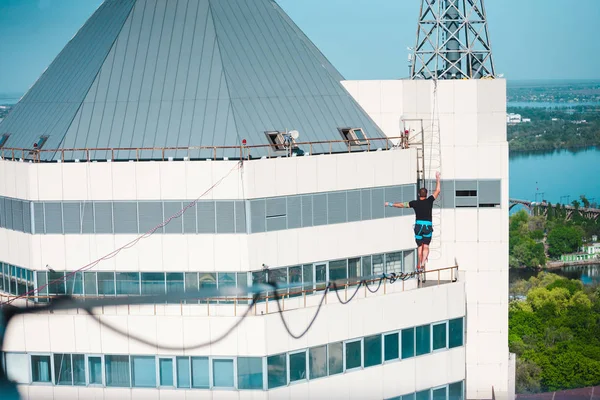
[[453, 41]]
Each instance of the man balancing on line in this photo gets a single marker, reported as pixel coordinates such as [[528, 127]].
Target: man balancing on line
[[423, 207]]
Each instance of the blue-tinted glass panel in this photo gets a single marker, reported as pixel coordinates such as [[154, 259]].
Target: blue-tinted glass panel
[[353, 355], [250, 372], [200, 377], [318, 361], [335, 352], [143, 370], [372, 350], [153, 283], [297, 366], [207, 280], [409, 396], [117, 371], [56, 282], [183, 372], [78, 369], [422, 337], [40, 369], [63, 372], [106, 283], [89, 284], [95, 370], [423, 395], [175, 282], [223, 373], [276, 371], [439, 394], [455, 391], [165, 366], [128, 283], [338, 271], [439, 336], [74, 283], [391, 346], [408, 343], [455, 337]]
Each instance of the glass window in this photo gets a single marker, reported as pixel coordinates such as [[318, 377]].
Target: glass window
[[58, 282], [42, 280], [321, 276], [297, 366], [372, 350], [307, 277], [318, 361], [408, 396], [439, 393], [408, 343], [455, 391], [191, 281], [17, 367], [409, 261], [117, 371], [152, 282], [335, 351], [378, 264], [393, 263], [74, 283], [63, 372], [95, 370], [106, 283], [223, 373], [226, 279], [338, 271], [78, 369], [276, 371], [128, 283], [279, 277], [391, 346], [183, 372], [423, 395], [455, 337], [353, 354], [242, 280], [165, 366], [422, 339], [40, 369], [207, 280], [354, 270], [143, 371], [259, 277], [175, 283], [200, 372], [295, 281], [439, 336], [250, 372], [366, 267], [89, 283]]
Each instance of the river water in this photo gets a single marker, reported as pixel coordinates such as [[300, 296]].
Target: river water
[[588, 274]]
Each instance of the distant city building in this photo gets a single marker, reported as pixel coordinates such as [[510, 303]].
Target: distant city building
[[513, 119], [593, 248]]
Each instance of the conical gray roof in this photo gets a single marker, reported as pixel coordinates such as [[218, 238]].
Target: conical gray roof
[[179, 73]]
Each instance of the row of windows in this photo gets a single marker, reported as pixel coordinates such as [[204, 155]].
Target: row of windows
[[17, 281], [453, 391], [259, 373], [216, 217]]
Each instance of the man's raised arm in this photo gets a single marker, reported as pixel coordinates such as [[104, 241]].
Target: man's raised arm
[[397, 205], [437, 186]]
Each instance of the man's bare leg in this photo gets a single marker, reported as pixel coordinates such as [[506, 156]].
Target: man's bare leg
[[419, 257], [424, 258]]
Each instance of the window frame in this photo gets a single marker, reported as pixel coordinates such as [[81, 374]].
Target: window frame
[[173, 372], [399, 333], [350, 136], [463, 333], [132, 372], [431, 390], [433, 325], [40, 354], [381, 355], [211, 373], [362, 361], [87, 371], [306, 367], [276, 140]]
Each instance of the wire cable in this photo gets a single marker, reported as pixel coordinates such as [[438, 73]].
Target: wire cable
[[127, 245]]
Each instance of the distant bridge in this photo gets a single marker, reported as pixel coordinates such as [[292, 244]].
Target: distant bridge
[[589, 213]]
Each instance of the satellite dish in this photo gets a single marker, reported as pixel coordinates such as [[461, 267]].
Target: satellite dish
[[294, 134]]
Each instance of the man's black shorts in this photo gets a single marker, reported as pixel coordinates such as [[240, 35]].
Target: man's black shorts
[[423, 232]]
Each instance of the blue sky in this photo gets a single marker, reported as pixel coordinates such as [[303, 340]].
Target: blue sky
[[364, 39]]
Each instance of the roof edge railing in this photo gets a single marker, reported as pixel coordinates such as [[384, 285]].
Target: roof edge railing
[[243, 152]]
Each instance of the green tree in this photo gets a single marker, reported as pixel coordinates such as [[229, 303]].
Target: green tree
[[528, 377], [585, 201], [564, 240]]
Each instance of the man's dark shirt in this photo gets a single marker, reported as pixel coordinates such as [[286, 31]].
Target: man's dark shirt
[[423, 208]]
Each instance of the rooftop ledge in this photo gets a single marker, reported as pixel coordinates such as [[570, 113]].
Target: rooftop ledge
[[289, 299], [198, 153]]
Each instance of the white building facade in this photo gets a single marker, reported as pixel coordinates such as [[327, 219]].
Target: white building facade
[[301, 221]]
